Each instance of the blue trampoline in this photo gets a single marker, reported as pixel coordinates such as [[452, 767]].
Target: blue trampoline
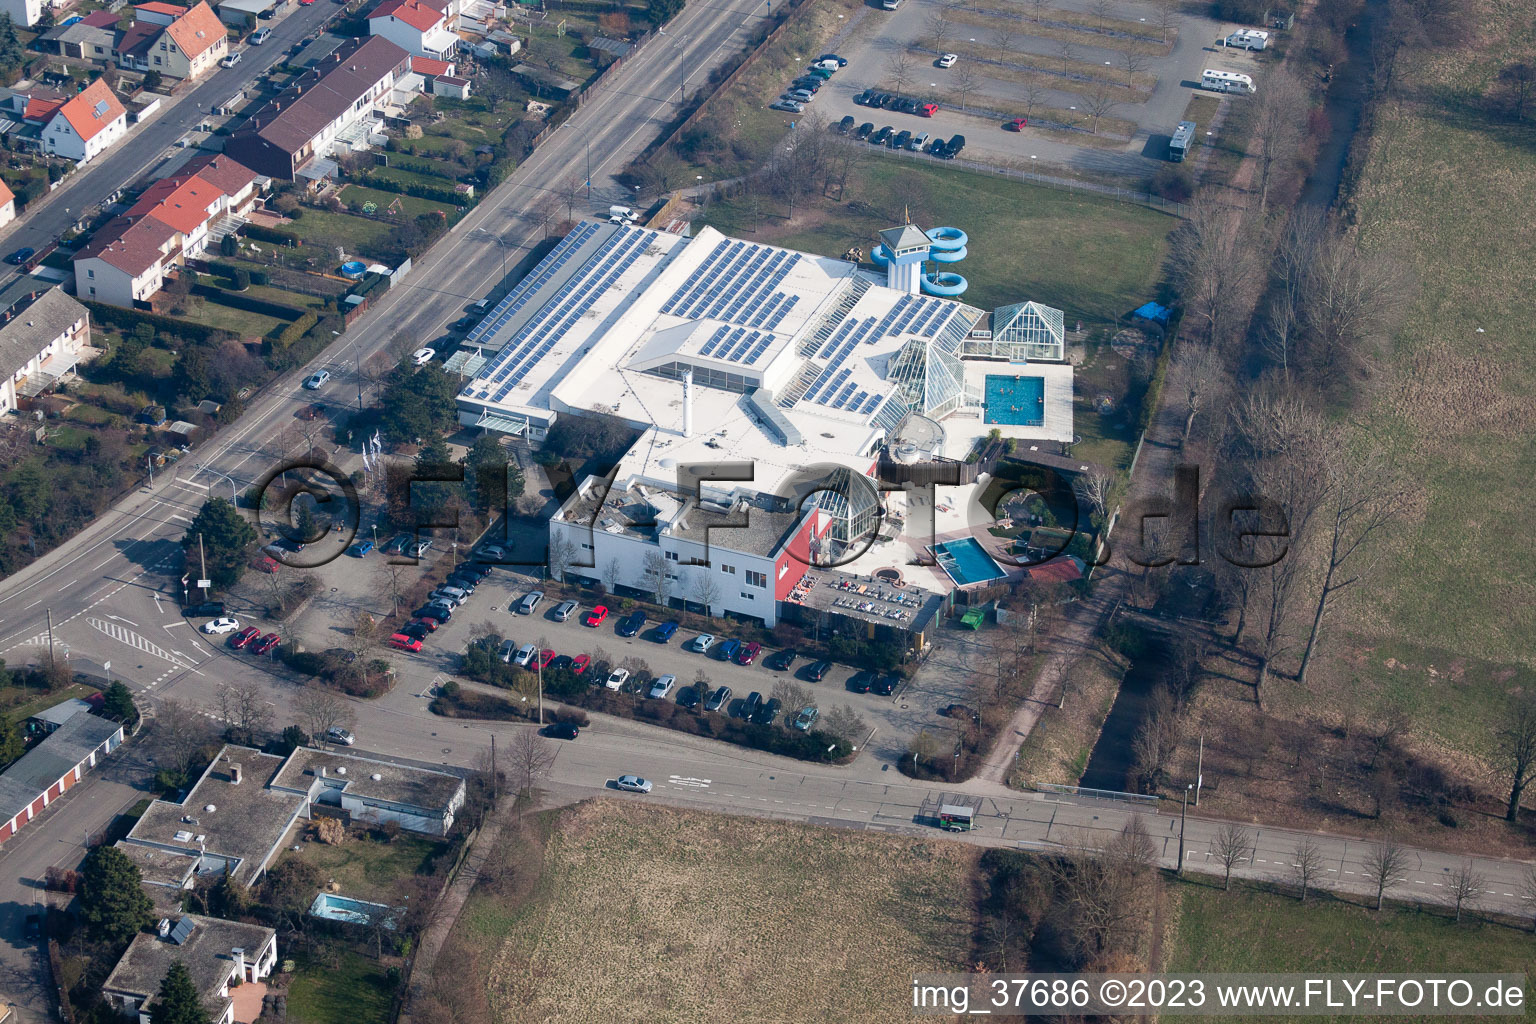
[[1015, 401]]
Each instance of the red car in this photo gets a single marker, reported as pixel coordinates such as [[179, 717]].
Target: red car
[[266, 643], [748, 654], [265, 564], [244, 637], [927, 109], [545, 657], [1016, 125], [427, 623], [579, 663], [406, 643], [595, 617]]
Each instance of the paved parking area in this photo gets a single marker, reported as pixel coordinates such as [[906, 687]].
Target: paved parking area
[[890, 33]]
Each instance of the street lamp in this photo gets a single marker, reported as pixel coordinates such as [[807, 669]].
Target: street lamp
[[1183, 810]]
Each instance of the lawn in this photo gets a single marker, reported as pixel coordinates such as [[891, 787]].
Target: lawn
[[243, 322], [408, 206], [1094, 258], [363, 237], [1248, 930], [370, 869], [788, 921], [1058, 747], [21, 703], [348, 989]]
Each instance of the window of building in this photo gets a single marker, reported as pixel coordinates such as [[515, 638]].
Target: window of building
[[671, 556], [749, 597], [728, 568], [756, 579], [91, 274]]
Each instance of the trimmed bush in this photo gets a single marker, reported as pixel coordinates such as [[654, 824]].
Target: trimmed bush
[[262, 233], [249, 303], [128, 319]]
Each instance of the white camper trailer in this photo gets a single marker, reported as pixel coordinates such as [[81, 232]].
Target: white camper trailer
[[1226, 81]]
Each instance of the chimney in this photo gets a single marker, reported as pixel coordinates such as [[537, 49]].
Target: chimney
[[238, 954], [234, 774], [688, 402], [320, 771]]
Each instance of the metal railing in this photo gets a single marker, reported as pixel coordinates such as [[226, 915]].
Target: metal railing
[[1096, 794]]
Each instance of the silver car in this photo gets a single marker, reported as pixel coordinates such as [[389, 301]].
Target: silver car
[[564, 610], [633, 784], [530, 602]]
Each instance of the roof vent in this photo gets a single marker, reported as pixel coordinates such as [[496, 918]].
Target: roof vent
[[164, 928], [341, 770], [376, 777], [210, 808]]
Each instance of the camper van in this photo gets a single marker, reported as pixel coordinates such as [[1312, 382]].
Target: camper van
[[1226, 81], [1247, 39], [1183, 138]]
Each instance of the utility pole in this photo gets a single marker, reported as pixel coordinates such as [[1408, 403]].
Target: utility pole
[[495, 784], [49, 612], [1200, 770], [202, 581], [1183, 809], [540, 656]]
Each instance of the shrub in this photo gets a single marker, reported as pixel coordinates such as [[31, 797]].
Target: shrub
[[276, 236], [1174, 182]]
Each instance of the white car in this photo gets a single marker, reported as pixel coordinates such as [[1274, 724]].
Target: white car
[[423, 356], [663, 686], [220, 626], [633, 784], [231, 60], [826, 65], [703, 642], [948, 60], [617, 678], [336, 734], [525, 655], [316, 381]]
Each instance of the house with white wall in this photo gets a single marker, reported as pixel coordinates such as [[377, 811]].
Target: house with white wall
[[43, 334], [421, 27], [7, 204], [86, 125], [186, 42], [24, 13], [218, 954]]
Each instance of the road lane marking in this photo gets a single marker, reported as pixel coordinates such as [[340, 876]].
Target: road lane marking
[[119, 618], [131, 639]]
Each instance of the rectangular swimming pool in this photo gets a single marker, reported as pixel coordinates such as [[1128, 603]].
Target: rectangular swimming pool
[[1015, 401], [966, 561], [343, 908]]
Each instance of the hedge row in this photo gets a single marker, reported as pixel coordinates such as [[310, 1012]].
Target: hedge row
[[276, 236], [249, 303], [384, 183], [812, 746], [258, 275], [127, 319], [294, 331], [415, 165]]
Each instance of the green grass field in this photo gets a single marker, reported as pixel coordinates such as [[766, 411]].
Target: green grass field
[[361, 236], [1247, 930], [370, 869], [1094, 258], [246, 324], [409, 206], [352, 989]]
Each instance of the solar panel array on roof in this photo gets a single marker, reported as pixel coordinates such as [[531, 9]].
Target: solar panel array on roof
[[518, 297], [738, 345], [831, 385], [544, 329], [917, 315], [737, 282]]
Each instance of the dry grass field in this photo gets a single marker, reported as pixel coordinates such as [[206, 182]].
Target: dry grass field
[[616, 910]]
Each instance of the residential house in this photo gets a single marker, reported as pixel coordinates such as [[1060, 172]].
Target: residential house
[[326, 106], [7, 204], [126, 261], [440, 78], [86, 125], [179, 42], [421, 27], [90, 38], [52, 767], [219, 955], [24, 12], [238, 815], [43, 333]]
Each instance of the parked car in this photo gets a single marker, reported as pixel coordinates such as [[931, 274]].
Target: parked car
[[864, 130], [417, 628], [423, 356], [900, 139], [396, 544], [882, 136], [232, 59], [581, 663], [886, 685], [220, 626], [828, 64], [780, 661], [266, 644], [563, 661], [748, 653], [595, 617], [34, 927], [766, 713], [810, 83], [336, 734], [204, 610], [806, 718], [545, 657], [948, 60], [861, 99], [844, 126], [526, 654], [244, 637], [860, 682], [918, 142], [751, 704], [689, 698], [926, 109], [419, 549], [631, 624], [453, 597], [493, 553], [1018, 124], [703, 642], [441, 612], [728, 649], [21, 255], [953, 147], [665, 632], [789, 106], [261, 35], [936, 148], [316, 381], [841, 62], [508, 649], [360, 549], [563, 731], [719, 699], [800, 95], [464, 581], [662, 686], [529, 602], [478, 570], [617, 678], [405, 642], [632, 784], [564, 610], [818, 670]]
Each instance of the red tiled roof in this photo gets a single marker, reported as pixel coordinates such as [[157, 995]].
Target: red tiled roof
[[101, 19], [156, 7], [40, 109], [432, 68], [6, 195], [420, 16], [92, 110], [130, 244], [196, 30], [225, 173], [182, 202]]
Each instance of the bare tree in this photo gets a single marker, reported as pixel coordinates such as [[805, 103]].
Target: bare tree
[[1464, 889], [1004, 37], [1519, 82], [365, 633], [706, 590], [1350, 301], [1002, 932], [844, 723], [1167, 18], [1134, 61], [529, 760], [1033, 93], [1199, 381], [573, 189], [545, 209], [561, 554], [1094, 488], [1233, 845], [939, 28], [1515, 754], [1277, 127], [1528, 891], [392, 578], [177, 733], [1067, 51], [1306, 864], [1098, 104], [654, 572], [965, 82], [320, 710], [1153, 748], [243, 705], [899, 70], [1039, 7], [1104, 892], [792, 695], [1386, 866], [1100, 9], [1213, 265]]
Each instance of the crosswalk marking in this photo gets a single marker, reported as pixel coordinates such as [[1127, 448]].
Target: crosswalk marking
[[126, 636]]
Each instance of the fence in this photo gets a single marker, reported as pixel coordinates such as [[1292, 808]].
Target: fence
[[1096, 794]]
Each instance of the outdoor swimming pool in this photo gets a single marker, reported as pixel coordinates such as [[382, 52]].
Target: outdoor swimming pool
[[343, 908], [967, 562], [1016, 401]]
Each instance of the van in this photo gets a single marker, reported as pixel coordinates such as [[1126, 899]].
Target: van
[[564, 610], [621, 212], [1226, 81], [665, 631], [260, 36], [530, 602], [1247, 39]]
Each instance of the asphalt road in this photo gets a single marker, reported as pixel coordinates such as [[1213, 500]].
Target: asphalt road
[[148, 144]]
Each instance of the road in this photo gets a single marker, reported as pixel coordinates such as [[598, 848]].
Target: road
[[148, 144]]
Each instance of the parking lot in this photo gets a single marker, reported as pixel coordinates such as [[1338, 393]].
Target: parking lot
[[1010, 66]]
